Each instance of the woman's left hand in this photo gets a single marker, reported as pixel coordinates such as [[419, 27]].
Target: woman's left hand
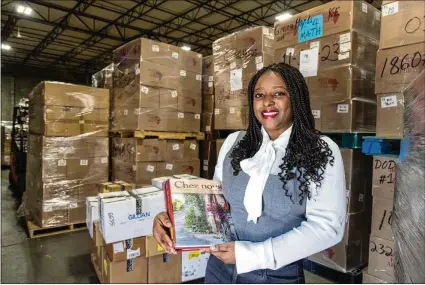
[[225, 252]]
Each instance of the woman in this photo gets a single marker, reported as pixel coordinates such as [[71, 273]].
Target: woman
[[284, 182]]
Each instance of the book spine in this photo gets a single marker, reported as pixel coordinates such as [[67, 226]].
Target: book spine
[[170, 209]]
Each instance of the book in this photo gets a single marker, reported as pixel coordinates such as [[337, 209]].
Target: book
[[199, 213]]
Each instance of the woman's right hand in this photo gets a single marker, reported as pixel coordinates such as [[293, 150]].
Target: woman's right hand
[[161, 224]]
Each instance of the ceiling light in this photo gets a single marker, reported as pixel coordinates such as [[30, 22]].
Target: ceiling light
[[27, 11], [284, 16], [186, 48], [23, 10], [20, 9], [6, 47]]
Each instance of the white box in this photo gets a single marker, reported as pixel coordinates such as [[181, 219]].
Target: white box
[[194, 265], [126, 215], [92, 212]]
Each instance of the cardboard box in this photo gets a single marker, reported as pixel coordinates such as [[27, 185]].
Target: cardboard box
[[77, 212], [92, 213], [56, 191], [132, 94], [208, 104], [352, 251], [382, 212], [381, 258], [369, 279], [207, 122], [402, 23], [166, 268], [231, 118], [190, 61], [181, 150], [180, 101], [358, 178], [139, 173], [128, 271], [355, 115], [103, 78], [170, 168], [383, 179], [48, 213], [342, 83], [125, 186], [208, 158], [348, 48], [97, 234], [152, 247], [134, 149], [207, 84], [100, 256], [208, 65], [126, 249], [331, 18], [389, 117], [124, 216], [316, 106], [397, 67], [194, 265]]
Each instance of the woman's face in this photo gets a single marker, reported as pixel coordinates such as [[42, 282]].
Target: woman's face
[[272, 105]]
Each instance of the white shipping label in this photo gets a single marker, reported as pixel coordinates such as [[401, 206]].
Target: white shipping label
[[137, 71], [259, 59], [377, 15], [104, 160], [260, 66], [344, 55], [134, 167], [192, 146], [150, 168], [316, 114], [389, 101], [145, 89], [233, 65], [125, 112], [315, 44], [342, 108], [347, 193], [81, 122], [155, 48], [47, 208], [363, 74], [343, 38], [217, 111], [210, 84], [364, 7], [169, 166], [232, 110], [180, 115], [61, 162], [345, 47], [290, 51], [84, 162], [136, 111], [118, 247], [236, 79], [174, 93], [175, 55], [205, 167], [198, 77], [73, 205], [206, 162], [309, 61], [198, 116], [133, 253], [176, 146], [210, 78], [183, 72], [126, 71], [390, 9], [208, 128]]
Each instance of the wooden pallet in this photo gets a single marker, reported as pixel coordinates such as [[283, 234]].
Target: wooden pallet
[[93, 262], [38, 232], [159, 135]]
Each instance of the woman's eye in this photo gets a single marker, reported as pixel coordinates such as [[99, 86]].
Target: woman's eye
[[279, 94], [259, 95]]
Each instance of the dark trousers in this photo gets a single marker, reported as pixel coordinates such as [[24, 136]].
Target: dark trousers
[[218, 272]]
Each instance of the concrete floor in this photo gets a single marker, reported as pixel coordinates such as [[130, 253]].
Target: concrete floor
[[63, 258]]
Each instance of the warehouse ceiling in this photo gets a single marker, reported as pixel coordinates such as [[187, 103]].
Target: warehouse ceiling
[[79, 35]]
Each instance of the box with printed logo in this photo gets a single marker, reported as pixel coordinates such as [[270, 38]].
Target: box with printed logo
[[126, 215]]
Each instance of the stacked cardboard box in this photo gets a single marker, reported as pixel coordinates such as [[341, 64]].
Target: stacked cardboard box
[[138, 161], [237, 58], [157, 87], [352, 251], [334, 46], [6, 140], [103, 78], [67, 152], [400, 59]]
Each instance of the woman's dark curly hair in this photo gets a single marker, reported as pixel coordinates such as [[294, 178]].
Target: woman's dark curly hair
[[307, 154]]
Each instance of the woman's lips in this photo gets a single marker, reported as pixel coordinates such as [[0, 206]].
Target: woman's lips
[[269, 114]]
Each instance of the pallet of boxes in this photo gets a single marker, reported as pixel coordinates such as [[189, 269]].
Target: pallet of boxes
[[400, 59], [334, 46], [120, 221], [67, 154], [6, 145]]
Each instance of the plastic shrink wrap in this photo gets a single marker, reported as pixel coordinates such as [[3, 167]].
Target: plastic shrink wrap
[[103, 78], [409, 204], [68, 151]]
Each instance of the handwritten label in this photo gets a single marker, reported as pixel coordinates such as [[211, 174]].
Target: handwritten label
[[315, 44], [175, 55], [217, 111], [125, 112], [183, 72], [62, 162], [118, 247], [134, 167], [155, 48], [364, 8], [259, 59], [210, 84], [192, 146], [310, 29], [389, 101], [169, 166], [145, 89], [232, 110], [133, 253], [84, 162], [309, 62], [174, 94], [176, 146], [210, 78], [343, 38], [345, 47], [260, 66], [150, 168], [198, 77], [344, 55], [381, 248], [390, 9], [236, 79], [104, 160], [180, 115], [316, 114], [290, 51], [403, 64], [342, 108], [197, 116]]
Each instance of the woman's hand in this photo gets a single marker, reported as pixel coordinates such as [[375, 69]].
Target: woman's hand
[[161, 224], [225, 252]]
